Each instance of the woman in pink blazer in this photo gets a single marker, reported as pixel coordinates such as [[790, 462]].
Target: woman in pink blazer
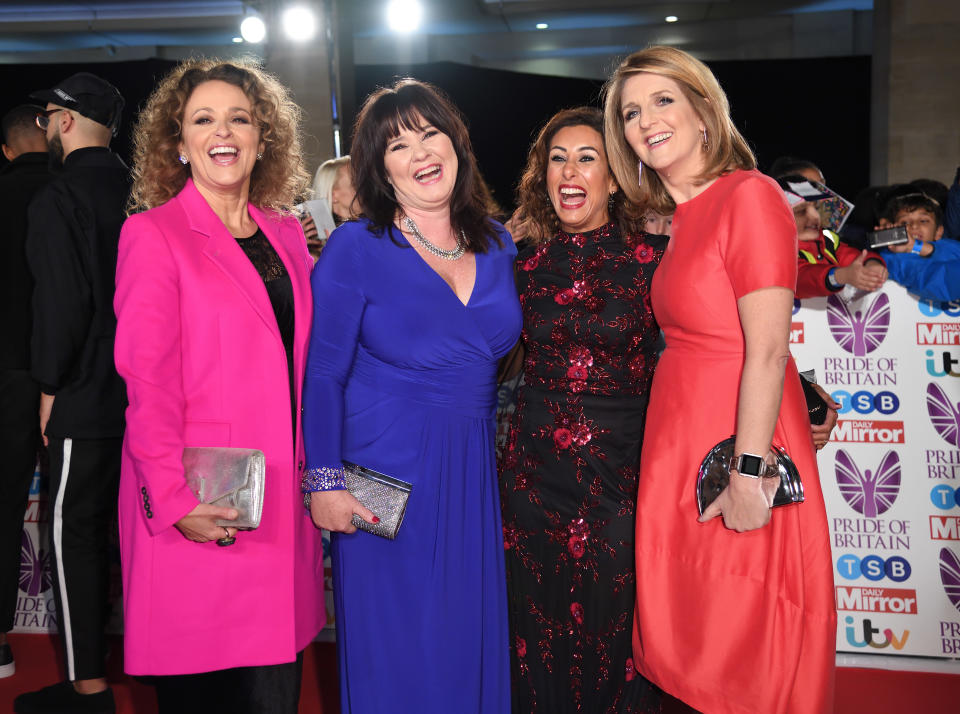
[[213, 308]]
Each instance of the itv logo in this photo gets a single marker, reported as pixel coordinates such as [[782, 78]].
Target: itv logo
[[871, 635]]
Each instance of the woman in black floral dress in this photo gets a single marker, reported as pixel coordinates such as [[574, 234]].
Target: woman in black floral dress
[[569, 471]]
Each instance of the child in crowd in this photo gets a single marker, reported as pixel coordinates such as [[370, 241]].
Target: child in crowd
[[824, 264], [925, 265]]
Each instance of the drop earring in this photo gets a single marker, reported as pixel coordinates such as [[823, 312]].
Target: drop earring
[[706, 144], [639, 172], [184, 160]]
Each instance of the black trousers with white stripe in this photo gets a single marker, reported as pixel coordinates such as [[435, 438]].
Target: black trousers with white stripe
[[19, 440], [84, 479]]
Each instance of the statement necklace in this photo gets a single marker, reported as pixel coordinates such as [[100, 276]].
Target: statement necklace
[[454, 254]]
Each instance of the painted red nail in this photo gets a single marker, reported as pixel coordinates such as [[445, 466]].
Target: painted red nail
[[376, 520]]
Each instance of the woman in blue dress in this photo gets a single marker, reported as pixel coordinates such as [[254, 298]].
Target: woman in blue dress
[[413, 305]]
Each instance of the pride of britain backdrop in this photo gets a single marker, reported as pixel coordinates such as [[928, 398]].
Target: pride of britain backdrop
[[890, 475], [891, 471]]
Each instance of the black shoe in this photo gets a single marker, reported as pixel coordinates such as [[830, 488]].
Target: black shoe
[[62, 698], [7, 665]]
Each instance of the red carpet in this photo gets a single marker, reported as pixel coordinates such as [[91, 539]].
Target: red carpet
[[859, 691]]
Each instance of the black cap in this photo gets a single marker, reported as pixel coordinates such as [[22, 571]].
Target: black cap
[[88, 94]]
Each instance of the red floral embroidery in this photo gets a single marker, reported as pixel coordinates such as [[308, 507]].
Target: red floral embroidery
[[562, 438], [521, 646], [577, 372], [630, 671], [576, 610], [564, 297], [644, 253]]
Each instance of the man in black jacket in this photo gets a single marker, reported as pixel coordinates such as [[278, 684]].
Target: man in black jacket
[[72, 250], [25, 147]]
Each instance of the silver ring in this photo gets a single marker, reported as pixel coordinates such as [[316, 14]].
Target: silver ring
[[226, 533]]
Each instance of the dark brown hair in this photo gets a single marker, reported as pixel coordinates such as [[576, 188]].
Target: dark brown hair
[[405, 105], [279, 179], [725, 150], [536, 218]]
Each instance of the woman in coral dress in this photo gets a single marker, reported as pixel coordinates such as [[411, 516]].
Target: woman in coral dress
[[734, 614]]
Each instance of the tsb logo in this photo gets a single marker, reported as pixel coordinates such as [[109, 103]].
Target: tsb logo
[[945, 497], [933, 309], [873, 567], [864, 402]]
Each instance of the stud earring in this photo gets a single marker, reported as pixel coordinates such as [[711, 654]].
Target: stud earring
[[259, 155], [184, 160], [639, 172]]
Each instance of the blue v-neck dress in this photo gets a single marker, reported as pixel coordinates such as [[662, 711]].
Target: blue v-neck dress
[[401, 379]]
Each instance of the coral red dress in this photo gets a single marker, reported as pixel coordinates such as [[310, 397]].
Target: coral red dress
[[727, 622]]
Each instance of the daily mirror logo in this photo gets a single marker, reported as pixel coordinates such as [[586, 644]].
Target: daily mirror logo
[[866, 599], [869, 493], [868, 431], [938, 333], [860, 326]]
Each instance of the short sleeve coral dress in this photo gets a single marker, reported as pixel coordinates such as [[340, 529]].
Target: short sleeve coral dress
[[727, 622]]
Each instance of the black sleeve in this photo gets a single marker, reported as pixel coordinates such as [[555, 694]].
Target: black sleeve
[[62, 299]]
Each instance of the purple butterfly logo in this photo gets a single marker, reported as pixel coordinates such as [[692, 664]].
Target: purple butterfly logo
[[34, 567], [944, 416], [860, 331], [869, 493], [950, 575]]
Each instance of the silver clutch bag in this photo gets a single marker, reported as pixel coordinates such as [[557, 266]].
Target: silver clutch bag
[[232, 478], [384, 495], [714, 476]]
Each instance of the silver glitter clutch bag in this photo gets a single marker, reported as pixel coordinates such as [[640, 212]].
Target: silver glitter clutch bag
[[232, 478], [714, 476], [384, 495]]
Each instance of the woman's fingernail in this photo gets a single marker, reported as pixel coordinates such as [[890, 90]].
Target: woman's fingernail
[[375, 520]]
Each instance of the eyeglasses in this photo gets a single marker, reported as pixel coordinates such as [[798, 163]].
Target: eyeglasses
[[43, 118]]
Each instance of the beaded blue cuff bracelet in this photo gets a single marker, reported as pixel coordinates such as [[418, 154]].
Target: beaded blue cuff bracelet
[[325, 478]]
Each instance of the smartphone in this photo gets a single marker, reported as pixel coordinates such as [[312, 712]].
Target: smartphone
[[888, 236]]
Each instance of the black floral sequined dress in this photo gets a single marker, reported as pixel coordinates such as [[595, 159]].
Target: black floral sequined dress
[[568, 476]]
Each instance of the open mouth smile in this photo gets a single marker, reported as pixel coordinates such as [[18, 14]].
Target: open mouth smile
[[429, 174], [658, 139], [572, 196], [223, 155]]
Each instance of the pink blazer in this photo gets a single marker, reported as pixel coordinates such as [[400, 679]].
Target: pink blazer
[[198, 346]]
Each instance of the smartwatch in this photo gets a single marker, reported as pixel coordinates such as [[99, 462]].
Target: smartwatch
[[749, 465]]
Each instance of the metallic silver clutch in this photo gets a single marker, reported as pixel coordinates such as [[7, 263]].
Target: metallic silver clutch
[[384, 495], [232, 478], [714, 476]]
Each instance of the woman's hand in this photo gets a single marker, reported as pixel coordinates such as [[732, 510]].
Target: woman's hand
[[744, 504], [200, 525], [334, 511], [821, 432]]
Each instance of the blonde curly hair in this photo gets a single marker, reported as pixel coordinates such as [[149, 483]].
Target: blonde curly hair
[[279, 179]]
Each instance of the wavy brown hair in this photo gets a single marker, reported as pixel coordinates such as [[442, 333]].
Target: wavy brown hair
[[407, 104], [725, 151], [535, 218], [279, 180]]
